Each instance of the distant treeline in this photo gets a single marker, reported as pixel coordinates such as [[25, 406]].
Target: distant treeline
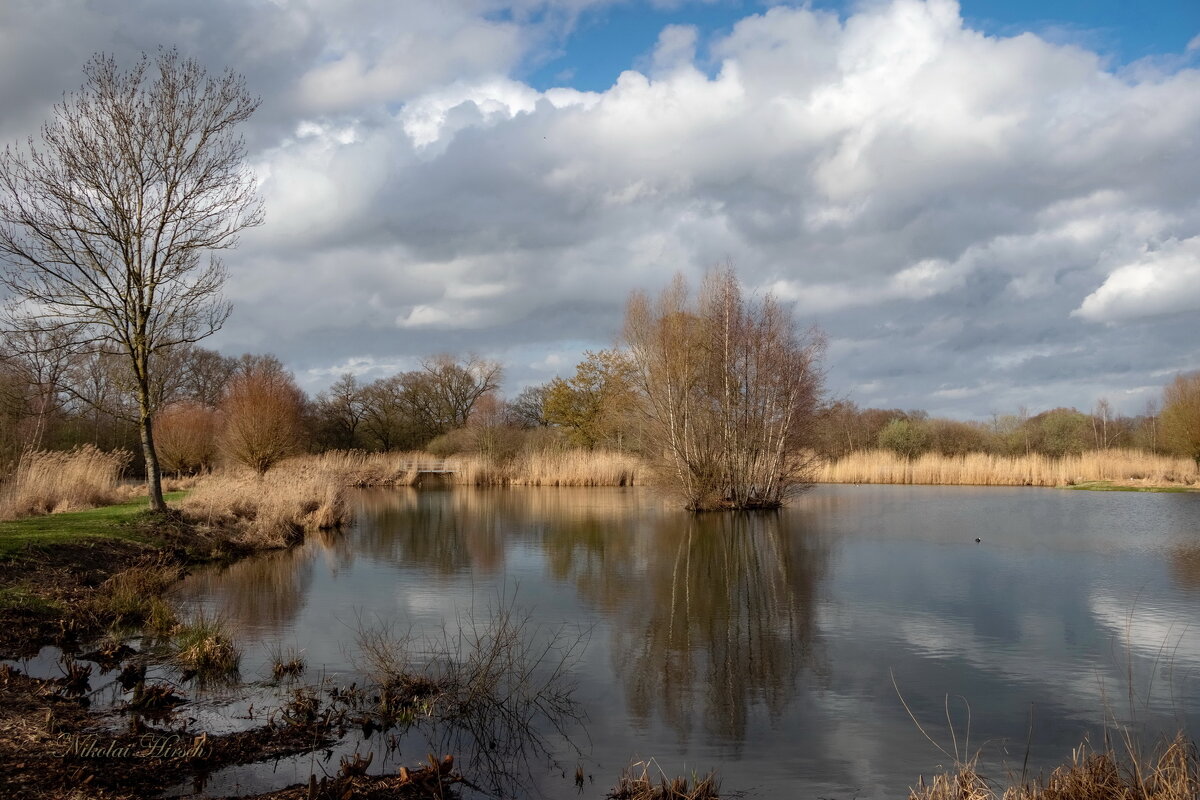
[[844, 428], [249, 409]]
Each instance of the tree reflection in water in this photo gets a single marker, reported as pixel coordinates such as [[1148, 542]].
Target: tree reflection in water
[[714, 606], [712, 615], [729, 614], [446, 531], [717, 608]]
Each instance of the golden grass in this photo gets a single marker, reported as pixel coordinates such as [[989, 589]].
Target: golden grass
[[536, 468], [1173, 773], [576, 468], [1135, 467], [271, 510], [48, 481]]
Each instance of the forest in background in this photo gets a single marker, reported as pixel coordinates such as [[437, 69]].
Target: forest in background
[[215, 408]]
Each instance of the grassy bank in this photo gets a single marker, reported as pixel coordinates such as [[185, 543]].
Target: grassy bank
[[113, 522], [1116, 467]]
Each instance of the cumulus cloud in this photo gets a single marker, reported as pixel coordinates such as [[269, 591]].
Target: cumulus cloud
[[1164, 280], [957, 210]]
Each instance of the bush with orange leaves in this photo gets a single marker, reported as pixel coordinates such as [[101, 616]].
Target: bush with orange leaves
[[185, 435], [262, 411]]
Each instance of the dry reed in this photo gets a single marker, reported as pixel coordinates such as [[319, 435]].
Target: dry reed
[[271, 510], [1172, 774], [981, 469], [636, 783], [48, 481], [535, 468]]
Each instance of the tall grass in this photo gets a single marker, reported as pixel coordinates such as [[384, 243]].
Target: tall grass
[[577, 468], [535, 468], [47, 481], [981, 469], [271, 510]]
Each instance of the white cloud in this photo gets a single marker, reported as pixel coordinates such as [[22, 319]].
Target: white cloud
[[950, 202], [1163, 280]]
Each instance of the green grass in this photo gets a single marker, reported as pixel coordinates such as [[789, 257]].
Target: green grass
[[107, 522], [1109, 486], [23, 598]]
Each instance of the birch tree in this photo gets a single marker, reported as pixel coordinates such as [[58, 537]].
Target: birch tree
[[109, 223], [730, 391]]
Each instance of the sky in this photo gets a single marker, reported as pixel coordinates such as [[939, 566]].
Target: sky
[[985, 206]]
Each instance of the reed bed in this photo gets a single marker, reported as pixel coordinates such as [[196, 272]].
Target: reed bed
[[49, 481], [1135, 467], [271, 510], [535, 468], [576, 468], [1173, 773]]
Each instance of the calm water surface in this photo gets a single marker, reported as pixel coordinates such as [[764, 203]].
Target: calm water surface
[[773, 647]]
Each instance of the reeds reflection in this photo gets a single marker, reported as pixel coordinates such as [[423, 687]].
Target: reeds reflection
[[262, 594]]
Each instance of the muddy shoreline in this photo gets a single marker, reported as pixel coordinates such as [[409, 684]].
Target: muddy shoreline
[[54, 745]]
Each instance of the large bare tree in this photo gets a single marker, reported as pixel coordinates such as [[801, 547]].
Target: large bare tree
[[108, 225], [730, 391]]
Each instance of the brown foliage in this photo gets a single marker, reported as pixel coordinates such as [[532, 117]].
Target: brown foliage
[[186, 435], [262, 411]]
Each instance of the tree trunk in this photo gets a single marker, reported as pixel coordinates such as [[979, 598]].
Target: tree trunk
[[153, 472]]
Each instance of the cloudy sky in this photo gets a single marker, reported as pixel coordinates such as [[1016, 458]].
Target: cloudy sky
[[985, 205]]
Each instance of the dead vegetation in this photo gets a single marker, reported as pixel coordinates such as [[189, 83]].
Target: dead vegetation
[[982, 469], [548, 467], [435, 779], [1170, 773], [203, 648], [135, 596], [496, 689], [48, 481], [639, 781], [272, 510], [286, 663]]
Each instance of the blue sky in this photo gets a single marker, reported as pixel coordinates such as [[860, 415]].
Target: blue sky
[[607, 40]]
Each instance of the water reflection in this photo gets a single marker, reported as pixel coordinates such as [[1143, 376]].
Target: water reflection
[[1185, 566], [765, 643], [265, 593], [714, 613]]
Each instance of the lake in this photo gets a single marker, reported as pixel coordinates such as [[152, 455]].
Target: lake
[[779, 648]]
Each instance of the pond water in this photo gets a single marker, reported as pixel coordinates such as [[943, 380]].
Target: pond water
[[779, 648]]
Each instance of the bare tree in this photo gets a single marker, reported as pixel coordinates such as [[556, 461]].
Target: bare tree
[[449, 390], [730, 389], [105, 225], [341, 411]]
